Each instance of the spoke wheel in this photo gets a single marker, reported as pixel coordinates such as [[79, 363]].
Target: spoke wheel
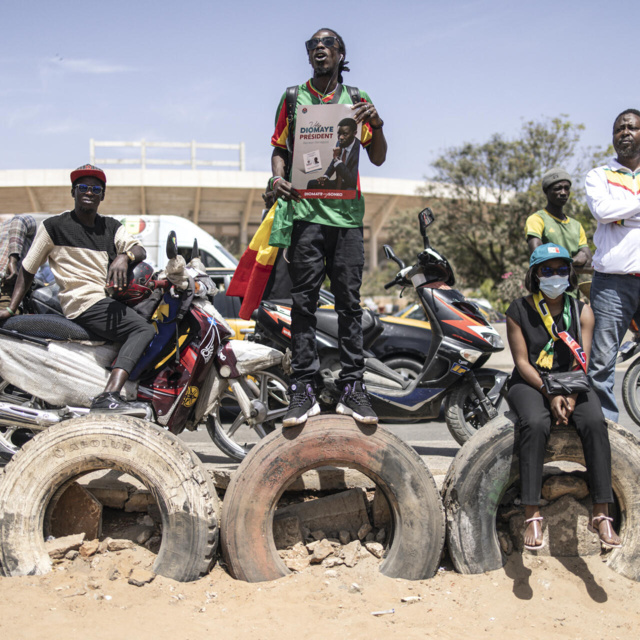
[[229, 429]]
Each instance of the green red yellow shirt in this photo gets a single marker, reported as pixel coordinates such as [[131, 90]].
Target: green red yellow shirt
[[335, 213]]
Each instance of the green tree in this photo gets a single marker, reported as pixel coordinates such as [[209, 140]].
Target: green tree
[[482, 194]]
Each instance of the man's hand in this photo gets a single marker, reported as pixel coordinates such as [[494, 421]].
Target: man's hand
[[366, 112], [118, 272], [337, 151], [284, 190], [4, 315], [322, 181], [11, 272]]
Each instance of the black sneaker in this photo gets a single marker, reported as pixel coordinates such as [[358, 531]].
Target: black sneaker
[[302, 405], [355, 402], [112, 403]]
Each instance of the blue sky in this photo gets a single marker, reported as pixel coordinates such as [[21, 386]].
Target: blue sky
[[440, 73]]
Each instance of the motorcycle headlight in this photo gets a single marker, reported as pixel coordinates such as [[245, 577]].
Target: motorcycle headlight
[[470, 355], [494, 340]]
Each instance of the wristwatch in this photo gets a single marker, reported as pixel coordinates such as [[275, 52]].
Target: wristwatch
[[130, 255]]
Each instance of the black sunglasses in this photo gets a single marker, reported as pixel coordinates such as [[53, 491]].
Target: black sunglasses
[[327, 41], [547, 272], [95, 189]]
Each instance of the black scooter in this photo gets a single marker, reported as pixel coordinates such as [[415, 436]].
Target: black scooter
[[461, 343]]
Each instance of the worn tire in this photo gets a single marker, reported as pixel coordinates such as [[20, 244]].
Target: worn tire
[[487, 466], [458, 403], [37, 475], [250, 501], [630, 391]]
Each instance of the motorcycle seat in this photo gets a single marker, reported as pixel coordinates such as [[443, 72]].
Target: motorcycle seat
[[327, 320], [49, 327]]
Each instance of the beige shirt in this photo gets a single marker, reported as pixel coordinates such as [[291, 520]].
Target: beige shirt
[[79, 257]]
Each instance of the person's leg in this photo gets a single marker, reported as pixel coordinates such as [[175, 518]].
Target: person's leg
[[614, 300], [112, 320], [592, 429], [345, 263], [307, 271], [534, 420]]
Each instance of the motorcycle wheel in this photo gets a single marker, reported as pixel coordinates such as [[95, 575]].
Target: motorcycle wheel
[[12, 438], [631, 391], [417, 539], [227, 427], [461, 408], [485, 468], [406, 366], [37, 476]]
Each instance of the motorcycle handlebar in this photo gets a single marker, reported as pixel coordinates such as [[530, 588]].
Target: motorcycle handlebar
[[390, 284]]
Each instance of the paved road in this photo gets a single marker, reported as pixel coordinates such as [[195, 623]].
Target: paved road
[[430, 439]]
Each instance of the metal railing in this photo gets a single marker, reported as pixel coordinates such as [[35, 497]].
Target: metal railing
[[144, 161]]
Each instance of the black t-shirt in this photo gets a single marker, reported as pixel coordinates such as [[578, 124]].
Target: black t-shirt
[[536, 335]]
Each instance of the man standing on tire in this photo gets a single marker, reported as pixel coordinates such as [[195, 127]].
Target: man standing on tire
[[87, 251], [327, 239], [613, 195]]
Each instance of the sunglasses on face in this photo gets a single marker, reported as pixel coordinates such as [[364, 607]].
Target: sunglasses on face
[[327, 41], [547, 272], [95, 189]]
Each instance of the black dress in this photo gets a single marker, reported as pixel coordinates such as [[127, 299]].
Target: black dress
[[534, 412]]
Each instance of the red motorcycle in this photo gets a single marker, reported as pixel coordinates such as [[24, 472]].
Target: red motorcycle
[[51, 368]]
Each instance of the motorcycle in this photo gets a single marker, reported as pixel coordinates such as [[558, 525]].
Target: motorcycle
[[50, 367], [453, 374], [631, 381]]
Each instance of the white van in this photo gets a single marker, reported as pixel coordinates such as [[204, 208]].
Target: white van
[[152, 231]]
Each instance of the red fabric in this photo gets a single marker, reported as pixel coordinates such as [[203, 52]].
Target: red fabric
[[249, 282]]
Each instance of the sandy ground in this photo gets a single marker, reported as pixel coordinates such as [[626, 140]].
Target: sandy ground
[[578, 598]]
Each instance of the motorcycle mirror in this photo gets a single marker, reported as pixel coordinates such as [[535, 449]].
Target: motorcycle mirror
[[388, 252], [172, 245], [195, 252], [426, 219]]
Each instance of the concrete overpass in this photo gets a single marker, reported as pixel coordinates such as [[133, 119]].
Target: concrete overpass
[[225, 203]]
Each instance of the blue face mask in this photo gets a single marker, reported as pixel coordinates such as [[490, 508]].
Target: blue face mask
[[554, 286]]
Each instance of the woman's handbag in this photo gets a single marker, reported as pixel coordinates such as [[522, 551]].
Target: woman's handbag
[[565, 383]]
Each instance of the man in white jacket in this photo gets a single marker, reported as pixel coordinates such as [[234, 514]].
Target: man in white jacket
[[613, 194]]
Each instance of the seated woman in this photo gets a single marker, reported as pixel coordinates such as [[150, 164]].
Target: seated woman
[[535, 330]]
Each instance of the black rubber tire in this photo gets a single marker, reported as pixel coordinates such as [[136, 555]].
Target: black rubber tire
[[630, 391], [36, 475], [404, 364], [233, 448], [487, 465], [458, 402], [251, 499]]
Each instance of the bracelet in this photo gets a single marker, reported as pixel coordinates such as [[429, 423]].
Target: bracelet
[[272, 181], [379, 126], [541, 387], [11, 311]]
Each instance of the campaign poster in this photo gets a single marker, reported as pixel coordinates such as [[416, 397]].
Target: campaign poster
[[326, 152]]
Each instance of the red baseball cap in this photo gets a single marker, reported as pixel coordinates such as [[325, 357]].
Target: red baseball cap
[[88, 170]]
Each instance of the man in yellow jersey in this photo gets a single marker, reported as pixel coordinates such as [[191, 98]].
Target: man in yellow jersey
[[327, 239], [552, 225]]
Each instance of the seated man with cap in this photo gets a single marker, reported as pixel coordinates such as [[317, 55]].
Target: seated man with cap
[[551, 224], [87, 251]]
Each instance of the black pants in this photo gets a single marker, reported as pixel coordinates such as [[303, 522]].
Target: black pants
[[535, 418], [114, 321], [317, 251]]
